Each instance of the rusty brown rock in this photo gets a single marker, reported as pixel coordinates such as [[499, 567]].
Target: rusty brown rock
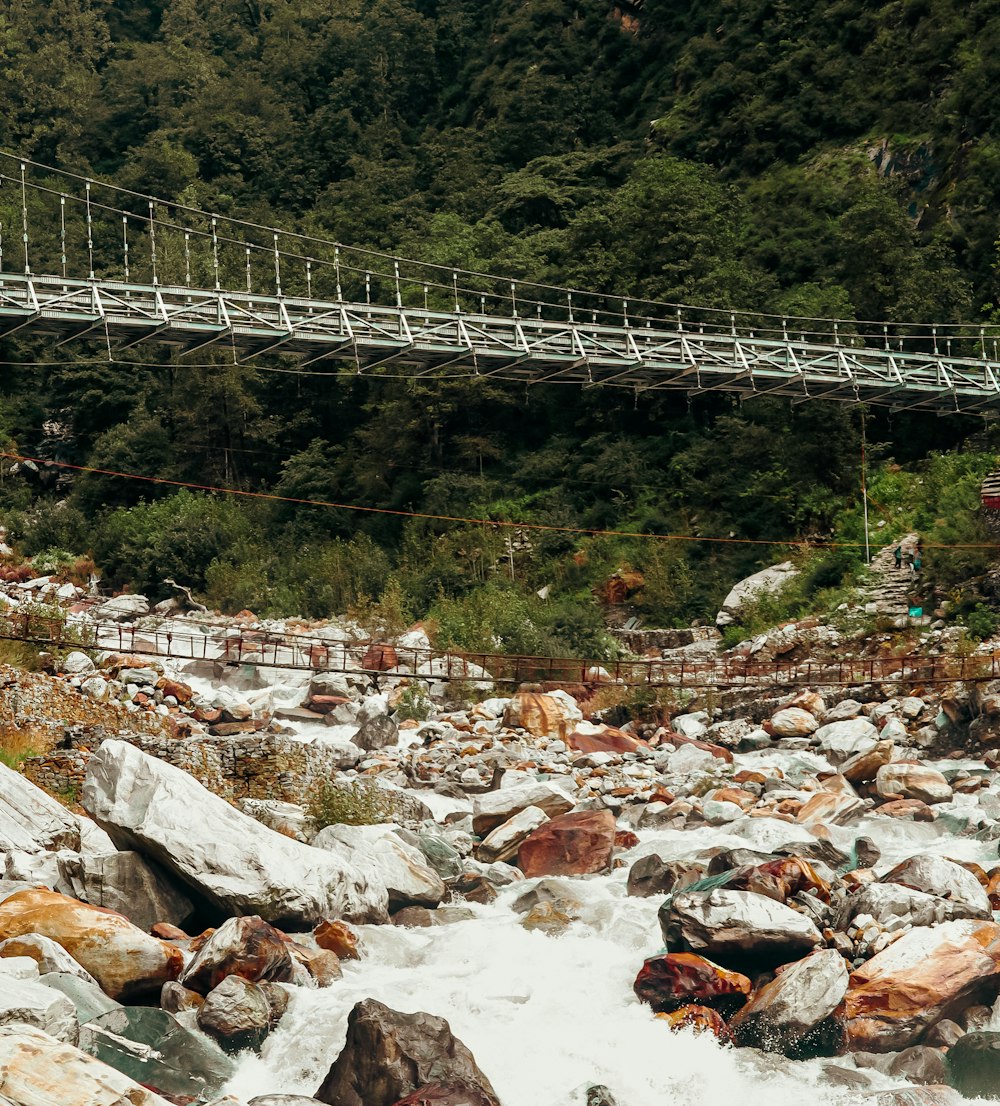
[[124, 960], [677, 740], [912, 809], [701, 1018], [926, 975], [379, 658], [181, 692], [539, 714], [452, 1094], [780, 879], [337, 937], [247, 947], [671, 980], [569, 845], [606, 739]]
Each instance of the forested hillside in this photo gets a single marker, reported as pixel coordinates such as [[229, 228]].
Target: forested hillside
[[821, 159]]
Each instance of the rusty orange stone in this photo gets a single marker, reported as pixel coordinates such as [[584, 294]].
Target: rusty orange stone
[[700, 1018], [573, 844], [338, 937], [672, 980]]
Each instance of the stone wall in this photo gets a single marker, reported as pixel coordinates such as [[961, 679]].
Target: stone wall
[[641, 642], [247, 766]]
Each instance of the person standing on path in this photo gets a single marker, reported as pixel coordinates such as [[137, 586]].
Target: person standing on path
[[908, 558], [898, 554], [917, 562]]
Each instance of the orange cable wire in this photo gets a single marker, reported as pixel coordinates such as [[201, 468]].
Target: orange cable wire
[[501, 523]]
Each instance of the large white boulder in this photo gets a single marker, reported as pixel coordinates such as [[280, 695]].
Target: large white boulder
[[380, 853], [845, 739], [38, 1070], [32, 1003], [769, 581], [233, 861], [493, 808], [32, 821]]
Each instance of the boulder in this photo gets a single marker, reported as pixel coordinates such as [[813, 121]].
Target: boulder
[[247, 947], [671, 980], [122, 608], [780, 879], [31, 820], [827, 808], [769, 581], [32, 1003], [87, 998], [450, 1094], [496, 807], [973, 1065], [503, 842], [230, 859], [153, 1048], [792, 722], [926, 975], [77, 664], [337, 937], [912, 781], [894, 906], [125, 961], [587, 738], [239, 1014], [542, 715], [652, 875], [863, 766], [389, 1055], [569, 845], [38, 1070], [736, 927], [702, 1019], [128, 884], [49, 956], [387, 860], [790, 1014], [377, 729], [840, 741], [936, 875]]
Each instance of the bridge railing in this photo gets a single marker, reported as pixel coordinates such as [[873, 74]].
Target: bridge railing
[[61, 224], [371, 658]]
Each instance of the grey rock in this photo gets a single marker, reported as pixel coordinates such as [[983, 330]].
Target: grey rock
[[128, 884], [939, 876], [388, 1055], [377, 729], [31, 820], [387, 860], [32, 1003], [787, 1014], [736, 927], [238, 1014]]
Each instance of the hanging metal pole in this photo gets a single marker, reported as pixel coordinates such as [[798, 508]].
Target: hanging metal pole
[[187, 258], [864, 485], [24, 219], [62, 233], [90, 234], [125, 246], [336, 269], [215, 250], [152, 242]]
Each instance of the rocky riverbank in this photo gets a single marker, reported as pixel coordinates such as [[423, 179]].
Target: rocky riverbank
[[793, 890]]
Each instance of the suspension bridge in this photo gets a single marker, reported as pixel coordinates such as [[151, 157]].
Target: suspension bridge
[[83, 260], [189, 646]]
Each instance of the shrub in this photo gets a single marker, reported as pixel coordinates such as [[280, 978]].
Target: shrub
[[981, 622], [359, 803]]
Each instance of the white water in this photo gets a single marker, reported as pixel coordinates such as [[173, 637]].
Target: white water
[[544, 1016]]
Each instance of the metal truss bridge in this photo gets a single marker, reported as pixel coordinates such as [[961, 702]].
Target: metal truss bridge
[[83, 260]]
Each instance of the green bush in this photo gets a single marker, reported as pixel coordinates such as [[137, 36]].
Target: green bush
[[981, 622], [360, 803]]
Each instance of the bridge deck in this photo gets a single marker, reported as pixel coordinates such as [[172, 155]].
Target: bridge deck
[[640, 358]]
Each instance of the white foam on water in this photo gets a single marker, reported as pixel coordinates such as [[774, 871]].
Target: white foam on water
[[544, 1016]]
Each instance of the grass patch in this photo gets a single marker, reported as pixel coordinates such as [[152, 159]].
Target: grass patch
[[361, 803]]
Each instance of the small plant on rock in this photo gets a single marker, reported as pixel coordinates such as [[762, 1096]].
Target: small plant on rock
[[358, 803]]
